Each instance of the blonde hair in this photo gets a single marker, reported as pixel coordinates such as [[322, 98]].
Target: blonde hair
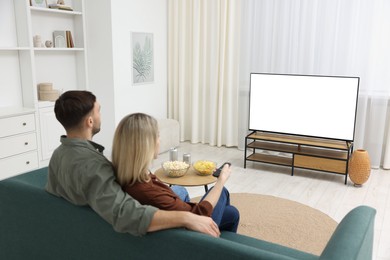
[[134, 147]]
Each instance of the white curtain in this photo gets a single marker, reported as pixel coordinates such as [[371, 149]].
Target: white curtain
[[203, 69], [210, 42], [332, 37]]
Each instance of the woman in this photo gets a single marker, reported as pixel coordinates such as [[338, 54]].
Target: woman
[[136, 144]]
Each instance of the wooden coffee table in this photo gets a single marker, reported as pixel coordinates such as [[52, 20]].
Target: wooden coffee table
[[189, 179]]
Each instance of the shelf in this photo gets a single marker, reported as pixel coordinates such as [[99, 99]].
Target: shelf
[[332, 154], [39, 49], [42, 104], [318, 142], [305, 150], [273, 146], [56, 11], [15, 111], [58, 49], [273, 159], [14, 48]]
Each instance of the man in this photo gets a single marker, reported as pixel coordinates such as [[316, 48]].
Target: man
[[80, 173]]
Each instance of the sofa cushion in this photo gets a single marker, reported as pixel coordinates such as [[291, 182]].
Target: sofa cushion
[[268, 246]]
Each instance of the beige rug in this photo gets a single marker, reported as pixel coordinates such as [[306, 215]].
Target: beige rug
[[283, 222]]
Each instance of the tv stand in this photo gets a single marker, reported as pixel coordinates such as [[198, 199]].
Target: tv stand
[[317, 154]]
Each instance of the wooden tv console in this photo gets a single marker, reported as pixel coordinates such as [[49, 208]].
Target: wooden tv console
[[299, 152]]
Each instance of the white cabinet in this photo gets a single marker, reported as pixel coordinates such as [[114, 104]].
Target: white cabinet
[[18, 142], [16, 124], [24, 66]]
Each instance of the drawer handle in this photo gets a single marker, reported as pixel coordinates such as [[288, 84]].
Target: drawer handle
[[28, 162], [24, 124], [26, 143]]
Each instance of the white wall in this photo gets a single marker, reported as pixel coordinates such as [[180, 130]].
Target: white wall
[[139, 16], [109, 27], [100, 64]]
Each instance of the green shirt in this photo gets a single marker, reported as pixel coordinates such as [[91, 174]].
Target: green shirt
[[80, 173]]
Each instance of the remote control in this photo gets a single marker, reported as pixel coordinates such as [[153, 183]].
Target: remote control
[[218, 171]]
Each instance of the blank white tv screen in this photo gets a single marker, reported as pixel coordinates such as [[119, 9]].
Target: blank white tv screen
[[307, 105]]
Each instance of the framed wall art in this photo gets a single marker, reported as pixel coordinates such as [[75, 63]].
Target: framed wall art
[[143, 58]]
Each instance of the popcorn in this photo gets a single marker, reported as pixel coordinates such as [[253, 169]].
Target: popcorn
[[175, 168], [175, 165]]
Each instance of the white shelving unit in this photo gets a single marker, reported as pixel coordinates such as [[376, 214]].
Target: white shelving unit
[[24, 66]]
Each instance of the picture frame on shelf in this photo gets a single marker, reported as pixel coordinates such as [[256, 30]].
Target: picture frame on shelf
[[60, 39], [38, 3]]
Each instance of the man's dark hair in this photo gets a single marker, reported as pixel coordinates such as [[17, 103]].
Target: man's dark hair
[[72, 106]]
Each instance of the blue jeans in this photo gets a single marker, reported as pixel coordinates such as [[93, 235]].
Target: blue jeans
[[181, 192], [225, 215]]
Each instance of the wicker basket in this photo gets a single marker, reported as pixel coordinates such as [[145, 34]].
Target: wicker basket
[[359, 167], [49, 95], [45, 86]]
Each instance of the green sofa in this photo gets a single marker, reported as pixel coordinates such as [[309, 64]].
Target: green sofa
[[37, 225]]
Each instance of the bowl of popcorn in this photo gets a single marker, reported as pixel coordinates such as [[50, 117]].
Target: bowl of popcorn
[[175, 169], [204, 168]]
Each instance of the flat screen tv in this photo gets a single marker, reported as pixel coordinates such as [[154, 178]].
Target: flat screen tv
[[304, 105]]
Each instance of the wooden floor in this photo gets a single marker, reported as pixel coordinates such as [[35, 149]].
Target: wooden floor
[[323, 191]]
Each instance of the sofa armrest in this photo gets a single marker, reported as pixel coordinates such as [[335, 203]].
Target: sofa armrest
[[353, 237]]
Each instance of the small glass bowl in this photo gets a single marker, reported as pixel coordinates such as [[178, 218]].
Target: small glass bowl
[[204, 168], [175, 169]]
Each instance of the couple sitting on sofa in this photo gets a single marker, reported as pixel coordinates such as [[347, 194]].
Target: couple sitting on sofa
[[80, 173]]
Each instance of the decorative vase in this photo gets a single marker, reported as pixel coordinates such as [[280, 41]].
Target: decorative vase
[[359, 167], [48, 44]]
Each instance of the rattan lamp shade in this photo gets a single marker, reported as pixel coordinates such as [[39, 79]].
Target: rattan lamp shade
[[359, 167]]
